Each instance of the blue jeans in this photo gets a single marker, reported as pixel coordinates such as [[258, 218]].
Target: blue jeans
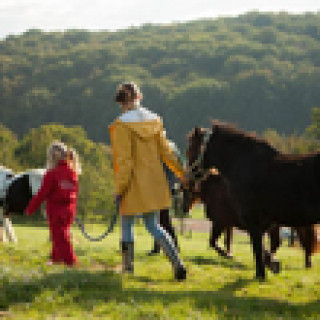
[[151, 221]]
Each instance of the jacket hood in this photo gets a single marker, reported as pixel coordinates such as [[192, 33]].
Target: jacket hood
[[142, 121], [145, 129]]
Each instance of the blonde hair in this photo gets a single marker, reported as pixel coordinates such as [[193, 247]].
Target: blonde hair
[[56, 151], [73, 160]]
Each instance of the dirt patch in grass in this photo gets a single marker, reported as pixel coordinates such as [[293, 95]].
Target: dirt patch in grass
[[197, 225], [4, 314]]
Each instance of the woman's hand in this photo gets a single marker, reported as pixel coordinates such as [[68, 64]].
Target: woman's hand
[[184, 180]]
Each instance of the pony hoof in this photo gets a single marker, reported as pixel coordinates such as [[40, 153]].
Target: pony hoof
[[275, 267], [223, 254], [229, 256], [261, 278]]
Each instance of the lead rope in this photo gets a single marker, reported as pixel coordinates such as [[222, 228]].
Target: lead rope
[[102, 236], [105, 234]]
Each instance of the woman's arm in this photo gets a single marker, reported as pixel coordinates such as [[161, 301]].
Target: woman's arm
[[168, 156]]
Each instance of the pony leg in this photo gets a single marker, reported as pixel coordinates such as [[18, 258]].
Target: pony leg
[[308, 255], [273, 264], [166, 223], [3, 237], [228, 236], [307, 237], [291, 238], [257, 245], [275, 240], [214, 236], [10, 231]]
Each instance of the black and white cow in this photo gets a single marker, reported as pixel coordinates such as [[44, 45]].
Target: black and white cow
[[19, 192]]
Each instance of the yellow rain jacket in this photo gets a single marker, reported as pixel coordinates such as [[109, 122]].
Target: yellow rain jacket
[[139, 148]]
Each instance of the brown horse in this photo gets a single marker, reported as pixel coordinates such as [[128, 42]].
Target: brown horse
[[263, 187]]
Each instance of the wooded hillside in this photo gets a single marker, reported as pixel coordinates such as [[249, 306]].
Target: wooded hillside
[[258, 70]]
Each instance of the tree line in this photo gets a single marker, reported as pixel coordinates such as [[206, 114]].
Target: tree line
[[258, 70], [96, 180]]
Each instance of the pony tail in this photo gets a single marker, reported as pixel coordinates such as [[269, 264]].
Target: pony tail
[[315, 247]]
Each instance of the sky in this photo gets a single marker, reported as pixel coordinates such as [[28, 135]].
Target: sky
[[17, 16]]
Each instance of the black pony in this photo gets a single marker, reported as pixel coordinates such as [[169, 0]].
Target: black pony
[[265, 186], [212, 191]]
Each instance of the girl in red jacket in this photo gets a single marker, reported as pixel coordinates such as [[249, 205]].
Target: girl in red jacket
[[60, 191]]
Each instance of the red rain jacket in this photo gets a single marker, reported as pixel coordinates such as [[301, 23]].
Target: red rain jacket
[[59, 189]]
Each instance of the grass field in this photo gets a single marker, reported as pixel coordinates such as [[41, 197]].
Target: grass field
[[216, 288]]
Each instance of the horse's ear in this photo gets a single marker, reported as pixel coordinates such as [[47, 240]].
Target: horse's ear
[[191, 134], [215, 124], [197, 131]]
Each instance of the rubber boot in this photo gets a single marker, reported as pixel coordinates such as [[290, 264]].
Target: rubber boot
[[127, 256], [180, 272]]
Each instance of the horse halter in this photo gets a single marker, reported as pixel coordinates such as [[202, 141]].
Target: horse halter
[[200, 174]]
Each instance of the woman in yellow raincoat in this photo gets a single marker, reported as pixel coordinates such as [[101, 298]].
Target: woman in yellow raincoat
[[139, 149]]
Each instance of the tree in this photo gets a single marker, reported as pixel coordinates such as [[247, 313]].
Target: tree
[[8, 143], [268, 65], [289, 144], [313, 131]]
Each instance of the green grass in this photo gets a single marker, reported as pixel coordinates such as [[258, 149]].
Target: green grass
[[197, 212], [216, 288]]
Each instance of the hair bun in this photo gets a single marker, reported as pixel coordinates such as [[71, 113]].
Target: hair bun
[[121, 96], [127, 92]]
